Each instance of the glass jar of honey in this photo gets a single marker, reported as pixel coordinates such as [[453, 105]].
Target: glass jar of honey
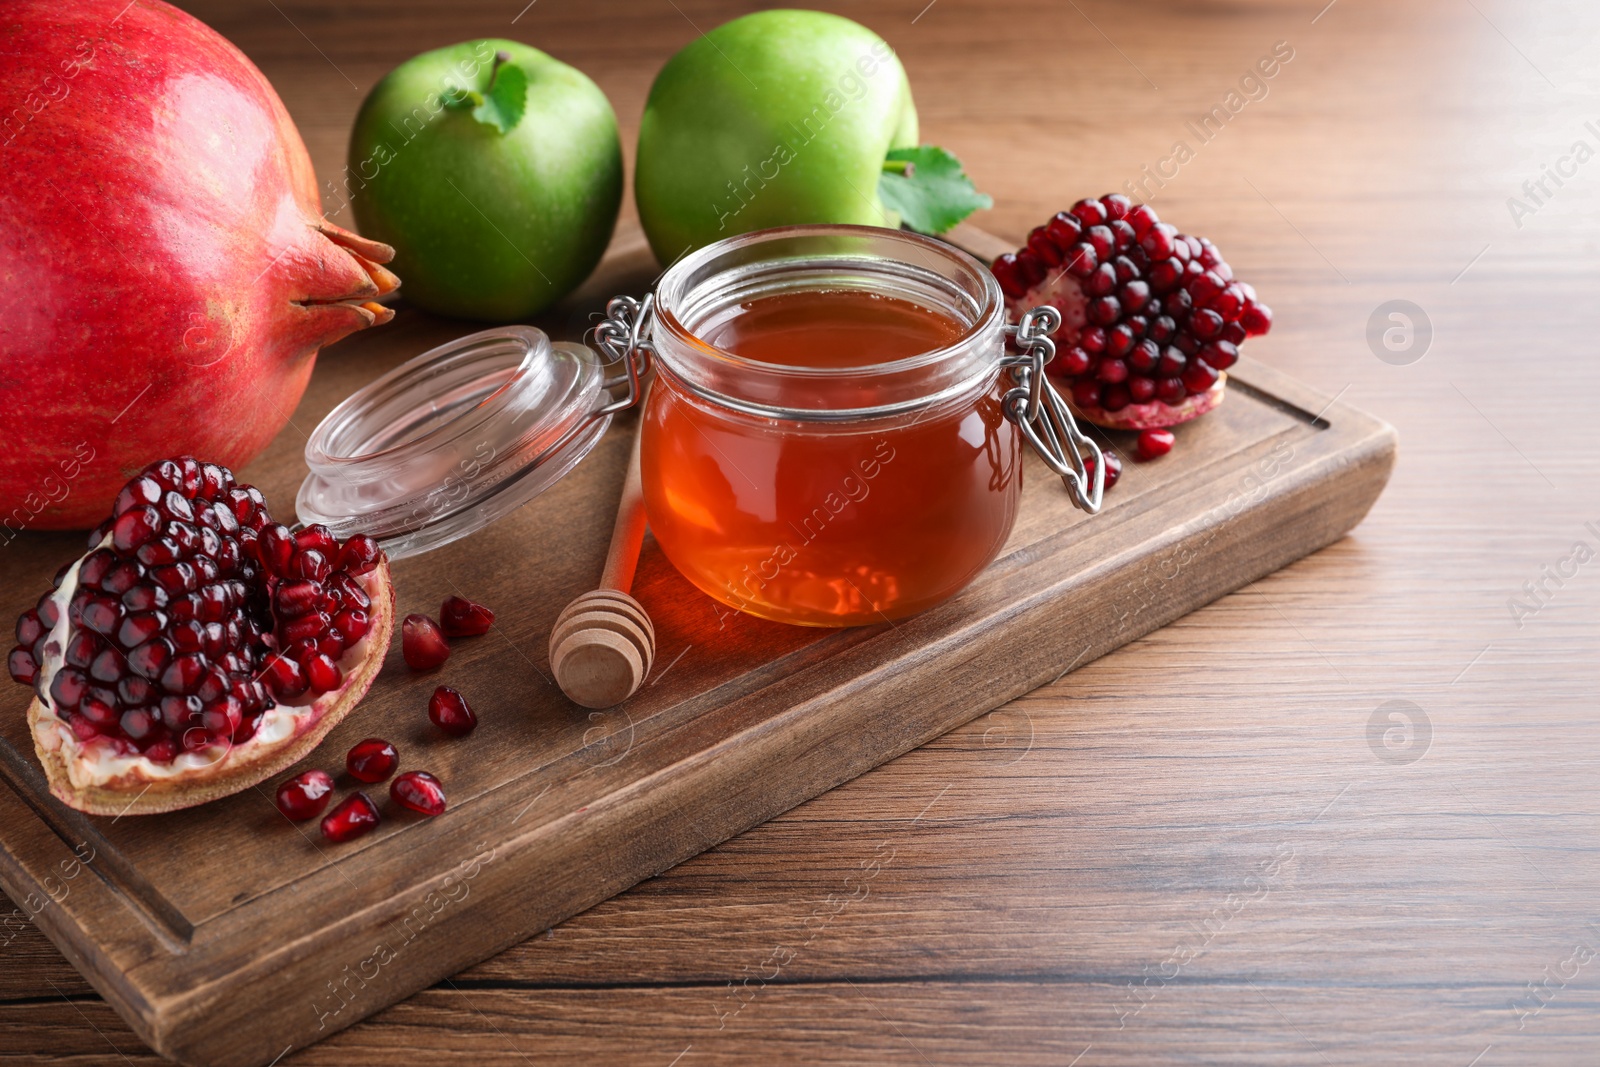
[[833, 437]]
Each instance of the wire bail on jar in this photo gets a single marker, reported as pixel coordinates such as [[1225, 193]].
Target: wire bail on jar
[[1038, 410], [623, 335]]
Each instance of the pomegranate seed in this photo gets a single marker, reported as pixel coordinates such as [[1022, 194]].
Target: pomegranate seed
[[1010, 278], [1141, 390], [1256, 319], [449, 711], [96, 565], [355, 815], [1040, 244], [1089, 212], [1153, 443], [305, 795], [1115, 397], [1113, 468], [418, 791], [1197, 377], [323, 673], [460, 617], [1112, 371], [24, 670], [422, 644], [372, 760], [285, 678], [133, 528], [1086, 393], [360, 555], [1072, 361]]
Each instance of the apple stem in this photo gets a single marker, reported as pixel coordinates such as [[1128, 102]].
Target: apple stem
[[500, 57], [899, 166]]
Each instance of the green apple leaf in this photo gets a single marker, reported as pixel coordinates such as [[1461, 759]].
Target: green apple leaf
[[928, 188], [502, 104]]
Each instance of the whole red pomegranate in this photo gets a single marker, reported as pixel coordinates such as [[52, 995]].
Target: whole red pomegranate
[[166, 277]]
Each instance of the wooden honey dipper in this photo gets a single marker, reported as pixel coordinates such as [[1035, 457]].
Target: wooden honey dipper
[[603, 644]]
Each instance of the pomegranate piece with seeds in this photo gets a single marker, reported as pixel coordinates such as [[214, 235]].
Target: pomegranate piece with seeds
[[372, 760], [192, 622], [305, 795], [418, 791], [355, 815], [1151, 318], [449, 711], [460, 617], [421, 643]]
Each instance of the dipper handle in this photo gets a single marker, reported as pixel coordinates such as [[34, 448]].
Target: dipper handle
[[603, 644]]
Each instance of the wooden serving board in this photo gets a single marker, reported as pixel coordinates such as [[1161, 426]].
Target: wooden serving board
[[226, 935]]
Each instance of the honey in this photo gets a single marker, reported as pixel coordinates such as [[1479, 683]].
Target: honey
[[830, 521]]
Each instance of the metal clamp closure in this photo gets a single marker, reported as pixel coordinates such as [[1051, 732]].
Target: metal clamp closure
[[623, 335], [1038, 410]]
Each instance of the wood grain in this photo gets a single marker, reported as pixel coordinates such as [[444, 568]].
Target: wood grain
[[1055, 850]]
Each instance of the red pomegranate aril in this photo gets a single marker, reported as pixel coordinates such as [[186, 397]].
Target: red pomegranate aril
[[23, 667], [102, 615], [1153, 443], [1157, 243], [285, 678], [1115, 397], [133, 528], [82, 648], [1072, 361], [1104, 311], [99, 712], [353, 624], [371, 760], [1064, 229], [133, 691], [1113, 467], [29, 628], [1089, 212], [276, 547], [1040, 244], [1206, 325], [142, 490], [305, 795], [1006, 272], [1112, 371], [418, 791], [311, 563], [1141, 390], [107, 667], [460, 617], [1086, 393], [140, 627], [182, 675], [1142, 218], [1102, 281], [68, 688], [1031, 267], [1197, 377], [150, 659], [305, 628], [422, 643], [1144, 357], [1170, 390], [1104, 244], [1080, 262], [1093, 340], [124, 578], [297, 597], [355, 815], [144, 597], [1220, 355], [323, 673], [96, 565], [1171, 363], [1256, 319], [449, 711]]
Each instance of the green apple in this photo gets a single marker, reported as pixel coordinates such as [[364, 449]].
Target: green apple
[[494, 170], [778, 118]]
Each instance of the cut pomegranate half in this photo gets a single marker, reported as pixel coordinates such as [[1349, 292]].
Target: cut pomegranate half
[[199, 648], [1151, 318]]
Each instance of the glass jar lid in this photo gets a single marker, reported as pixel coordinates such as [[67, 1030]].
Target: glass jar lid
[[454, 439]]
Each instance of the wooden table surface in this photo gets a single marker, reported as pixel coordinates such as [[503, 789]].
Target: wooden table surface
[[1225, 843]]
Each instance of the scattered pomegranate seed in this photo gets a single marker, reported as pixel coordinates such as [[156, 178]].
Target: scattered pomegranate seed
[[418, 791], [1153, 443], [422, 644], [449, 711], [355, 815], [1113, 467], [460, 617], [372, 760], [305, 795]]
